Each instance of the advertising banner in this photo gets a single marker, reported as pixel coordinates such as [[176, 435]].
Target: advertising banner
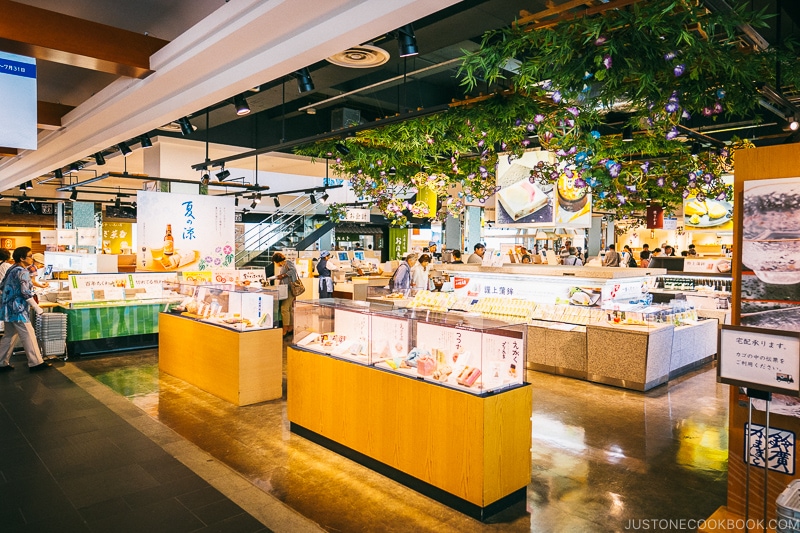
[[18, 113], [117, 236], [707, 215], [184, 232]]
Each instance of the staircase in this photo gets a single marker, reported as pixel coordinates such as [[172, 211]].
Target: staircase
[[291, 226]]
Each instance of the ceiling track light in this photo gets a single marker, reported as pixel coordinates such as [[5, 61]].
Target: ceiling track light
[[627, 134], [223, 174], [392, 171], [312, 199], [253, 205], [257, 198], [304, 81], [145, 140], [794, 125], [186, 126], [342, 148], [74, 167], [22, 187], [99, 159], [241, 105], [29, 185], [59, 174], [407, 41], [74, 195], [324, 198], [117, 202], [124, 148], [236, 201], [276, 201]]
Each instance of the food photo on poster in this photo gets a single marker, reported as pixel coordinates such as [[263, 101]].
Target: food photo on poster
[[770, 286], [520, 202]]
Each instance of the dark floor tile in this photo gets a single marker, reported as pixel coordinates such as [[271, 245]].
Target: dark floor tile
[[201, 498], [167, 516], [89, 488], [104, 510], [68, 522], [172, 489], [11, 516], [89, 457], [166, 468], [217, 511], [242, 523]]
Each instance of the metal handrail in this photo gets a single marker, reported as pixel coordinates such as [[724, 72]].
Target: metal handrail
[[277, 223]]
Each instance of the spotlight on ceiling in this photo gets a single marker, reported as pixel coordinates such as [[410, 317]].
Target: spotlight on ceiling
[[236, 201], [29, 185], [407, 41], [74, 195], [22, 187], [794, 125], [695, 148], [223, 175], [74, 167], [145, 140], [312, 199], [117, 202], [242, 108], [204, 179], [59, 174], [304, 81], [627, 134], [342, 149], [324, 198], [1, 196], [392, 171], [99, 159], [253, 205], [258, 198], [186, 126], [276, 201], [124, 148]]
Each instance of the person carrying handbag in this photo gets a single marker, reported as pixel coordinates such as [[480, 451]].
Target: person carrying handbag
[[287, 275]]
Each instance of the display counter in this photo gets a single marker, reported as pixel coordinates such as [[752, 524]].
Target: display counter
[[432, 400], [357, 287], [240, 366]]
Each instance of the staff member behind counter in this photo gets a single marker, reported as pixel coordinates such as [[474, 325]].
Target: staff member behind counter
[[477, 257]]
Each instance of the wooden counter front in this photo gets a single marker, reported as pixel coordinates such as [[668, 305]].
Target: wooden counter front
[[476, 448], [241, 368]]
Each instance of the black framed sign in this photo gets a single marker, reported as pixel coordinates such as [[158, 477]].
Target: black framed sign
[[760, 359]]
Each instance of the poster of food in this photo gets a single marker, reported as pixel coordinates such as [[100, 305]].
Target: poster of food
[[184, 232], [117, 237], [707, 214], [770, 270], [521, 203]]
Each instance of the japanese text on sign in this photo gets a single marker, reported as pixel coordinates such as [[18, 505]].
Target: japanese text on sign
[[760, 359]]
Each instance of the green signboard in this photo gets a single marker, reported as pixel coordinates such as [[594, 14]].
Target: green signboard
[[398, 242]]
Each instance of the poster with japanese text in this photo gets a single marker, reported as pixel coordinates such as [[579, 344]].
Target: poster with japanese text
[[117, 236], [184, 232]]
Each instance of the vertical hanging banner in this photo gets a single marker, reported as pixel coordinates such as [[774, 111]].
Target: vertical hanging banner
[[398, 243], [18, 101], [184, 232]]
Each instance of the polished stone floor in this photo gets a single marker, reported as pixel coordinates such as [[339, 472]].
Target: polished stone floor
[[604, 459]]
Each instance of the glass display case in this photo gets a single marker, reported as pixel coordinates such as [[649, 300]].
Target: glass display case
[[460, 351], [231, 306]]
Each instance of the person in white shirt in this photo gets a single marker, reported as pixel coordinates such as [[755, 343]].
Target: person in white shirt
[[5, 262], [477, 256], [420, 273]]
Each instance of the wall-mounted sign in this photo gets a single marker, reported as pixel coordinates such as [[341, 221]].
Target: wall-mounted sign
[[9, 243], [66, 237], [761, 359], [357, 215], [18, 113], [670, 224], [655, 216], [48, 237], [87, 236]]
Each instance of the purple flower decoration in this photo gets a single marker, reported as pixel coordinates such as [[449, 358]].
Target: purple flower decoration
[[707, 111], [685, 193], [518, 122], [379, 162], [579, 183], [707, 177], [530, 127], [554, 175], [217, 261], [525, 142], [338, 160], [561, 153], [455, 168], [208, 259], [600, 41], [595, 134], [671, 107], [686, 115], [621, 199], [429, 140], [227, 249], [645, 167], [481, 169], [548, 136], [574, 110], [679, 70], [674, 184], [607, 62], [470, 176], [723, 152], [481, 143], [568, 173], [557, 96], [503, 145], [721, 197], [717, 108], [660, 182], [538, 119], [383, 173], [701, 197], [669, 56], [631, 188], [615, 169], [672, 133]]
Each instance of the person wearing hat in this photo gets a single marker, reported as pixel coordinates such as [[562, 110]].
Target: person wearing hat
[[287, 274], [432, 249], [33, 270], [324, 270], [477, 257]]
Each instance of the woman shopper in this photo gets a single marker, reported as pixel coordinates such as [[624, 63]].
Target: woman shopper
[[420, 273], [324, 268], [17, 296], [286, 276]]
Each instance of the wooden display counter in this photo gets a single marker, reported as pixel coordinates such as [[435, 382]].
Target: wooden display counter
[[469, 452], [241, 368]]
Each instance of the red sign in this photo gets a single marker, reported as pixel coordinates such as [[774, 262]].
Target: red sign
[[8, 243], [460, 283], [655, 216]]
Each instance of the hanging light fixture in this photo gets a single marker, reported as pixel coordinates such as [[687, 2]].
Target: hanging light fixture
[[254, 204], [241, 105], [99, 159], [59, 174], [223, 174], [304, 81], [324, 198], [145, 140], [794, 125], [312, 199], [276, 201], [22, 187], [257, 198], [186, 126], [74, 195], [342, 149], [74, 167], [236, 201], [627, 134], [407, 41], [29, 185], [124, 148]]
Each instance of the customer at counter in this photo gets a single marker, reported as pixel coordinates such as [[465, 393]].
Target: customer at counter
[[669, 251], [611, 258], [435, 256], [457, 257], [5, 262], [33, 269], [401, 279], [477, 256], [572, 258], [324, 268], [286, 276], [420, 273]]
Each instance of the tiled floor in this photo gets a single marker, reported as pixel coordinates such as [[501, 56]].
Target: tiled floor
[[68, 463], [602, 456]]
